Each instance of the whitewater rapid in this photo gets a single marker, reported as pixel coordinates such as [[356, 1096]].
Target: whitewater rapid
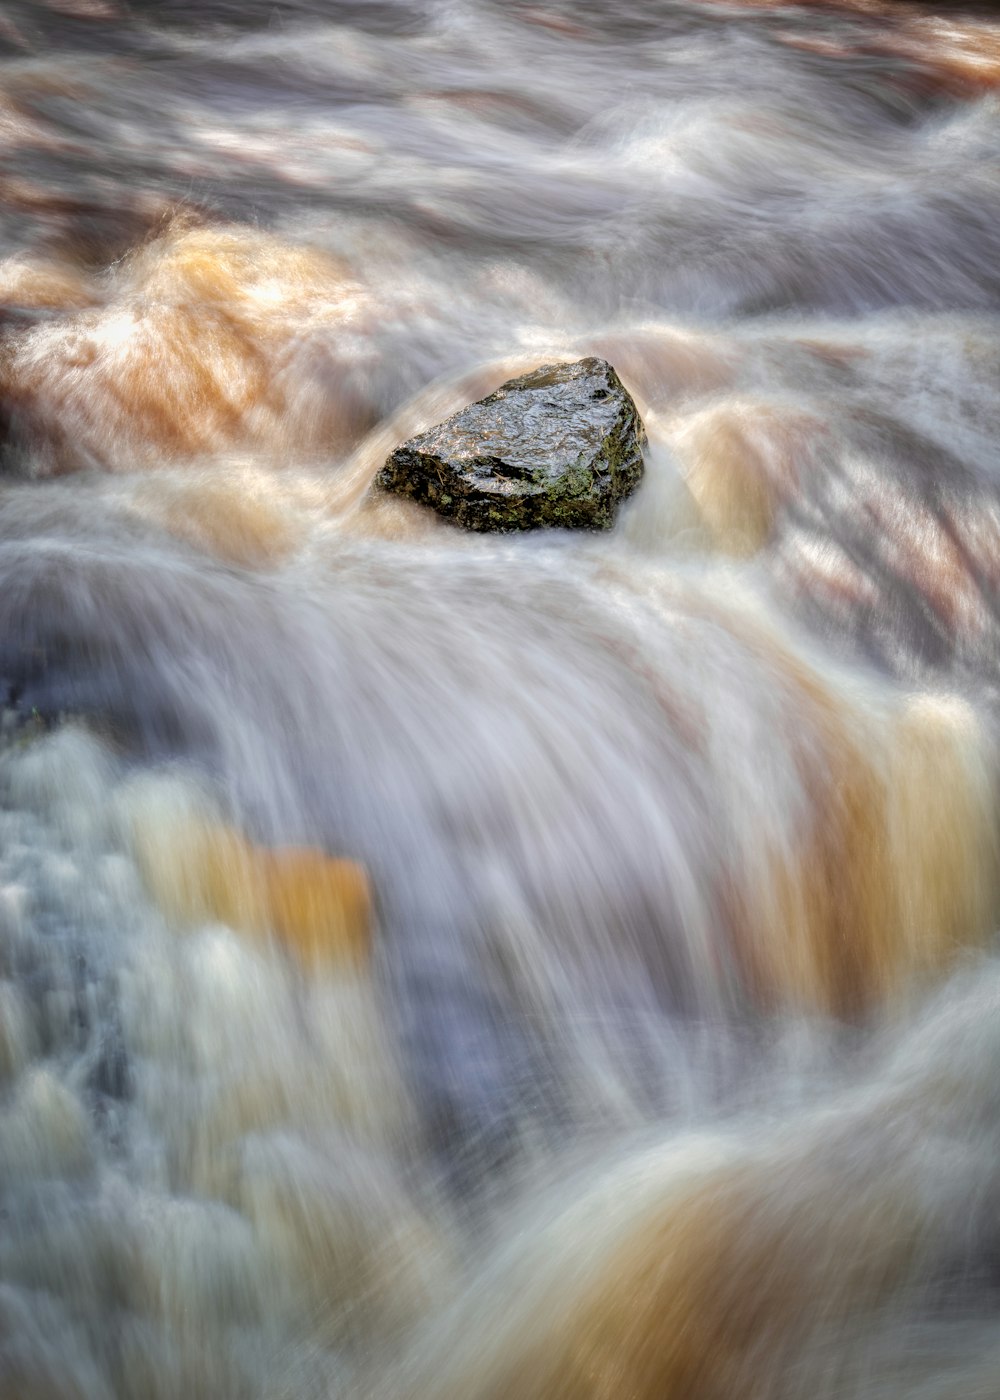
[[557, 966]]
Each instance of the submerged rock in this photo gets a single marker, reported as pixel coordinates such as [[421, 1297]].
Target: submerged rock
[[316, 906], [561, 445]]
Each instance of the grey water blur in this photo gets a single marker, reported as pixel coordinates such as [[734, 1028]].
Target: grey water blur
[[672, 1068]]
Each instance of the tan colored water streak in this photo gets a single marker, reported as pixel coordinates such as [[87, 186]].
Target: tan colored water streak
[[883, 871], [211, 339]]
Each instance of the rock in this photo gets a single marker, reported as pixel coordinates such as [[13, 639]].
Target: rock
[[561, 445], [317, 906]]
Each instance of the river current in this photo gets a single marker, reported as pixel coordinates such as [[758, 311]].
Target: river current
[[438, 966]]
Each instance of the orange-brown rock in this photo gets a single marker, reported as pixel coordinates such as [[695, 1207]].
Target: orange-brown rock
[[316, 906]]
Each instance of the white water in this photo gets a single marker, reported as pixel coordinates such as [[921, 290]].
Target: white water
[[667, 1064]]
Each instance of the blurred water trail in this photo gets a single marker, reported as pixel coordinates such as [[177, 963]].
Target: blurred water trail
[[551, 966]]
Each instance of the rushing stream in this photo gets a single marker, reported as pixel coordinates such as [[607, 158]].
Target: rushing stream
[[439, 966]]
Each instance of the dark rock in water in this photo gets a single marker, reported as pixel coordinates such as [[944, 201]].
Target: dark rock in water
[[560, 446]]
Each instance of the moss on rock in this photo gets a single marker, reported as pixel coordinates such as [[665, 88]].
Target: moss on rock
[[560, 446]]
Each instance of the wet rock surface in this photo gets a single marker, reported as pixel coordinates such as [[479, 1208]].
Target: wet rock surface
[[559, 446]]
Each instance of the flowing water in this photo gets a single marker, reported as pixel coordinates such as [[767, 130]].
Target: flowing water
[[450, 967]]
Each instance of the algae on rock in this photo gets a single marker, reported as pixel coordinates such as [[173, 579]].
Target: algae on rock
[[559, 446]]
